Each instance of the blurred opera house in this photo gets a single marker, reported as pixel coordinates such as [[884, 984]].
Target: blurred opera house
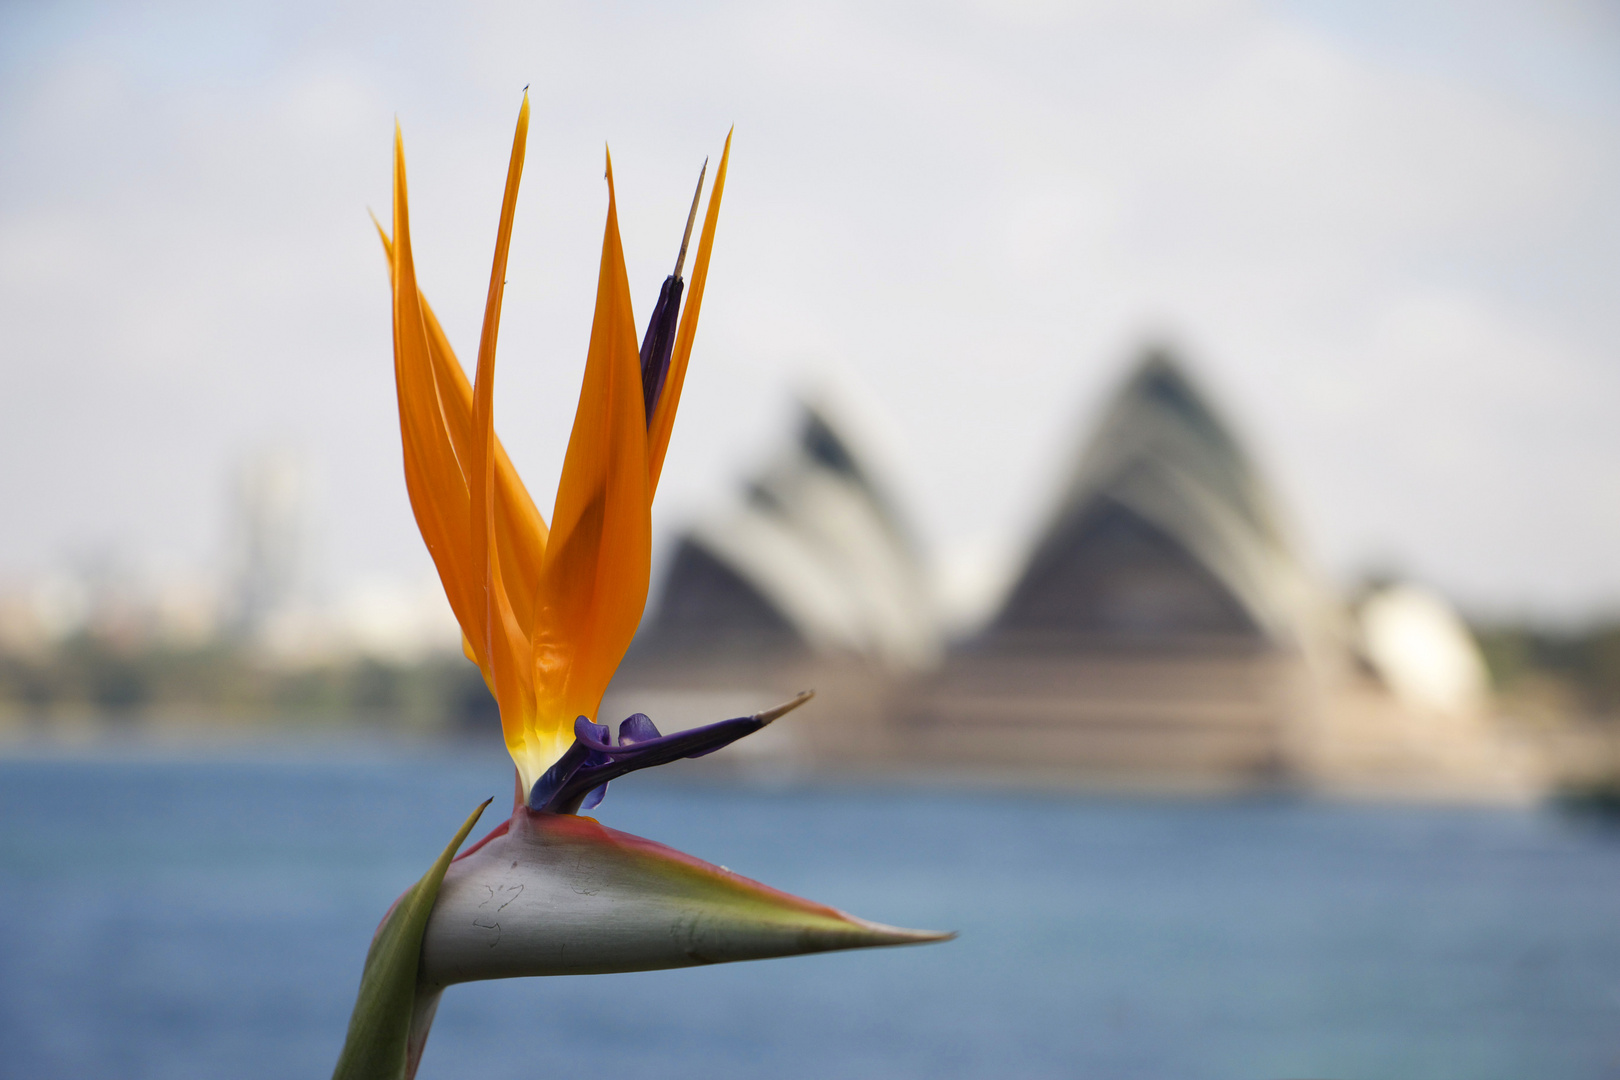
[[1163, 630]]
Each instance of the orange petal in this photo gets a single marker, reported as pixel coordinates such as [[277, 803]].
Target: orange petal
[[434, 475], [505, 643], [663, 418], [520, 531], [593, 584], [435, 423]]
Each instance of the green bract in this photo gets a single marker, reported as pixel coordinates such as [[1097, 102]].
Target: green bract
[[379, 1029]]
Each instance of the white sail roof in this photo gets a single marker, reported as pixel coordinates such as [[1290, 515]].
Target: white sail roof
[[1164, 529], [817, 540]]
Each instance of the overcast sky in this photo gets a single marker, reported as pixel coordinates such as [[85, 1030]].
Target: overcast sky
[[1385, 235]]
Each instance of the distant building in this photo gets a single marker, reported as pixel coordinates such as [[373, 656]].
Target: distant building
[[809, 578], [813, 557], [1160, 630], [1163, 630], [268, 540], [1164, 535]]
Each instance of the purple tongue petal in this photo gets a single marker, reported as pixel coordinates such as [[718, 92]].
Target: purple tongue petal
[[659, 343], [597, 739], [592, 761], [637, 728], [594, 799], [601, 732], [582, 754]]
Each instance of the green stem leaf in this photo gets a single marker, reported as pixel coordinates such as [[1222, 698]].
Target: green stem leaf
[[379, 1028]]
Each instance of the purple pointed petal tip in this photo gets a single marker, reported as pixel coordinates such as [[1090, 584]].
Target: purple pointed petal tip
[[593, 760]]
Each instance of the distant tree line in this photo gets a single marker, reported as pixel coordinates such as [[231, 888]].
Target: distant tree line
[[1571, 672], [88, 674], [1580, 666]]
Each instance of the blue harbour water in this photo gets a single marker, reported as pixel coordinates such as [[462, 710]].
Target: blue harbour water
[[208, 918]]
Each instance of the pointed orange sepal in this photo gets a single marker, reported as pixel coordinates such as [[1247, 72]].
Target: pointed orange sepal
[[593, 584], [505, 643], [437, 428]]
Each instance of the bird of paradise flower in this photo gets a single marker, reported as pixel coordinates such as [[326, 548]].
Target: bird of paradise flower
[[547, 615]]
